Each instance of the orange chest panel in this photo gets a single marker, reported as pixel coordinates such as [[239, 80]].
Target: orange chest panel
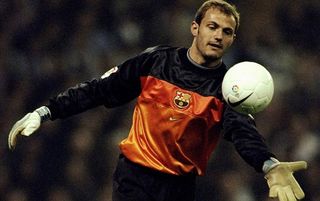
[[174, 130], [181, 101]]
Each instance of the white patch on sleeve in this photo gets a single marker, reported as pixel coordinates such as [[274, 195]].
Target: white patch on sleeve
[[109, 72]]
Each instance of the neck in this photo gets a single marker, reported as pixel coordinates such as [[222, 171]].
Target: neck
[[200, 60]]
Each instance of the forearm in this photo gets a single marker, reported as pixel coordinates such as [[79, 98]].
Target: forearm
[[252, 148], [242, 132], [77, 99]]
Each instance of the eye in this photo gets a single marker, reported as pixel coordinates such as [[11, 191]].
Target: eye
[[213, 26], [228, 32]]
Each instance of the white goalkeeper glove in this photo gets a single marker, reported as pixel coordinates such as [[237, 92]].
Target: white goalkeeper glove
[[280, 179], [28, 124]]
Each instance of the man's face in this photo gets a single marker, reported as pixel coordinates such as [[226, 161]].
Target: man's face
[[213, 36]]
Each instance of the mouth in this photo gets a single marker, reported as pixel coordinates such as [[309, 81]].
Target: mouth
[[216, 45]]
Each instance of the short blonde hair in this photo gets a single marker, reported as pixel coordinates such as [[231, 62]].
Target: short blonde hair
[[223, 6]]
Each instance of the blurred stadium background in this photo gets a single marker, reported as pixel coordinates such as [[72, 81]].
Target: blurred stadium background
[[49, 45]]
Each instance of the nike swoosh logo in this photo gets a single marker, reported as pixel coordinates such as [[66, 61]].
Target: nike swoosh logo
[[235, 104], [173, 119]]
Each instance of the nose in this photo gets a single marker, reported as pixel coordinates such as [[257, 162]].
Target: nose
[[218, 34]]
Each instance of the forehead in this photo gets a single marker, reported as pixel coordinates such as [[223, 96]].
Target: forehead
[[220, 18]]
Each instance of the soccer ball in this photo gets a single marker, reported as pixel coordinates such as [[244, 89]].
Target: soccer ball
[[247, 87]]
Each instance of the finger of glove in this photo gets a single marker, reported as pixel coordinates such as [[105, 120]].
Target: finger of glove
[[16, 129], [298, 165], [298, 192], [282, 194], [12, 140], [289, 194], [273, 193]]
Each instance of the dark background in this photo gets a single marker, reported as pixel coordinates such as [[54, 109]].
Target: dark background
[[47, 46]]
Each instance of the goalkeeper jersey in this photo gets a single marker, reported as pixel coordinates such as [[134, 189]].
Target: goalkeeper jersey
[[179, 114]]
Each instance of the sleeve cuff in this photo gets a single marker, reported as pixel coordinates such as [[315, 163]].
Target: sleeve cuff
[[44, 113], [269, 164]]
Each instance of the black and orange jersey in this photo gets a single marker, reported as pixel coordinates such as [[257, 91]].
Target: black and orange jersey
[[179, 114]]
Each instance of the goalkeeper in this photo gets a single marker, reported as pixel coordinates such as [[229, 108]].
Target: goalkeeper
[[178, 118]]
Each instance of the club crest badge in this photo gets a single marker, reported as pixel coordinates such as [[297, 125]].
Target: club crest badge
[[182, 100]]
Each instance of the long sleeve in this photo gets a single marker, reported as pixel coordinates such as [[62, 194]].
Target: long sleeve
[[116, 87], [110, 92], [242, 132]]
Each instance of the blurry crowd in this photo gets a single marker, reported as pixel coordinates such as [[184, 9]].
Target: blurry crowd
[[47, 46]]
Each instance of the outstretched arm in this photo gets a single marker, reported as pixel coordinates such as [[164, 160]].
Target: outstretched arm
[[241, 131]]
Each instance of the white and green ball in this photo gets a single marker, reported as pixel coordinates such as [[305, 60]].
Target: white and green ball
[[247, 87]]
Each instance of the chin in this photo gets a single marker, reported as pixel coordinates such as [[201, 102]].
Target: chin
[[212, 57], [214, 53]]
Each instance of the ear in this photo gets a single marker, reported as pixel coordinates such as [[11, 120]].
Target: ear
[[194, 28]]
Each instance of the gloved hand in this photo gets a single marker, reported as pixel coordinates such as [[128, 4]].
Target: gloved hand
[[28, 125], [282, 183]]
